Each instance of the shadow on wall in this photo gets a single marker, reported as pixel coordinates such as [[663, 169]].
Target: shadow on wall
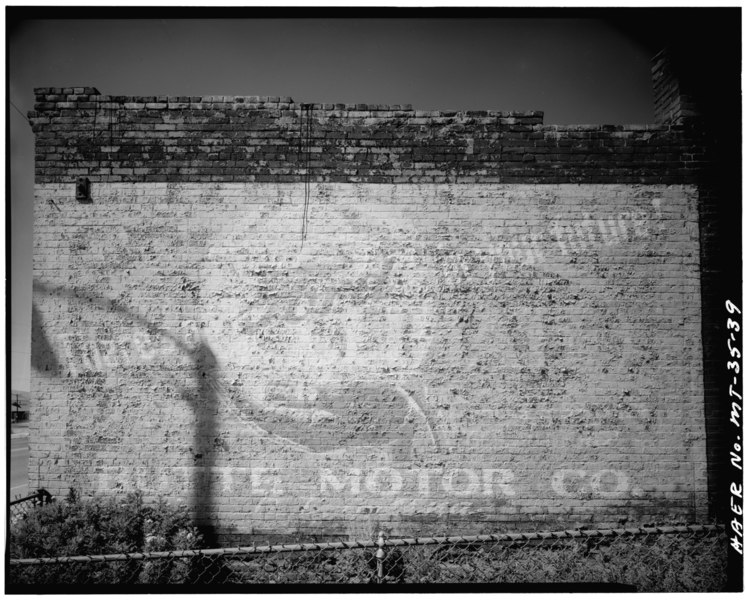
[[356, 414], [43, 357], [203, 402]]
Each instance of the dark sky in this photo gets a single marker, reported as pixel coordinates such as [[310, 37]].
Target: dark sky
[[577, 70]]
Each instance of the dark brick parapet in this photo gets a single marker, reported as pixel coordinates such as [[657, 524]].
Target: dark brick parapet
[[80, 132]]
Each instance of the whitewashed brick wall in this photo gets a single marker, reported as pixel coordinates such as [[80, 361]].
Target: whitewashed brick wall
[[431, 358]]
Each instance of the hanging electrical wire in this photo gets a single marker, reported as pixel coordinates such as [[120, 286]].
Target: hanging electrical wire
[[301, 131], [98, 151], [307, 171], [95, 115], [20, 112], [309, 124]]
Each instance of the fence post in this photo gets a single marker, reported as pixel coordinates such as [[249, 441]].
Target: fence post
[[44, 496], [380, 555]]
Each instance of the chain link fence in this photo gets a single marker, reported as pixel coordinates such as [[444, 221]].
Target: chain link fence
[[650, 559], [20, 507]]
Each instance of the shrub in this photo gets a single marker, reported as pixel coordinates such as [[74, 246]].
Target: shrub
[[74, 527]]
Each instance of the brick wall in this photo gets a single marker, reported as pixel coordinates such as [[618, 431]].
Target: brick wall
[[323, 319], [673, 100]]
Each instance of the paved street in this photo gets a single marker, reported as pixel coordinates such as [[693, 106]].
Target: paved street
[[18, 467]]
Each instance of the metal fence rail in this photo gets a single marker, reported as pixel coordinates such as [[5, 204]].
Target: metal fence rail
[[20, 507], [685, 558]]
